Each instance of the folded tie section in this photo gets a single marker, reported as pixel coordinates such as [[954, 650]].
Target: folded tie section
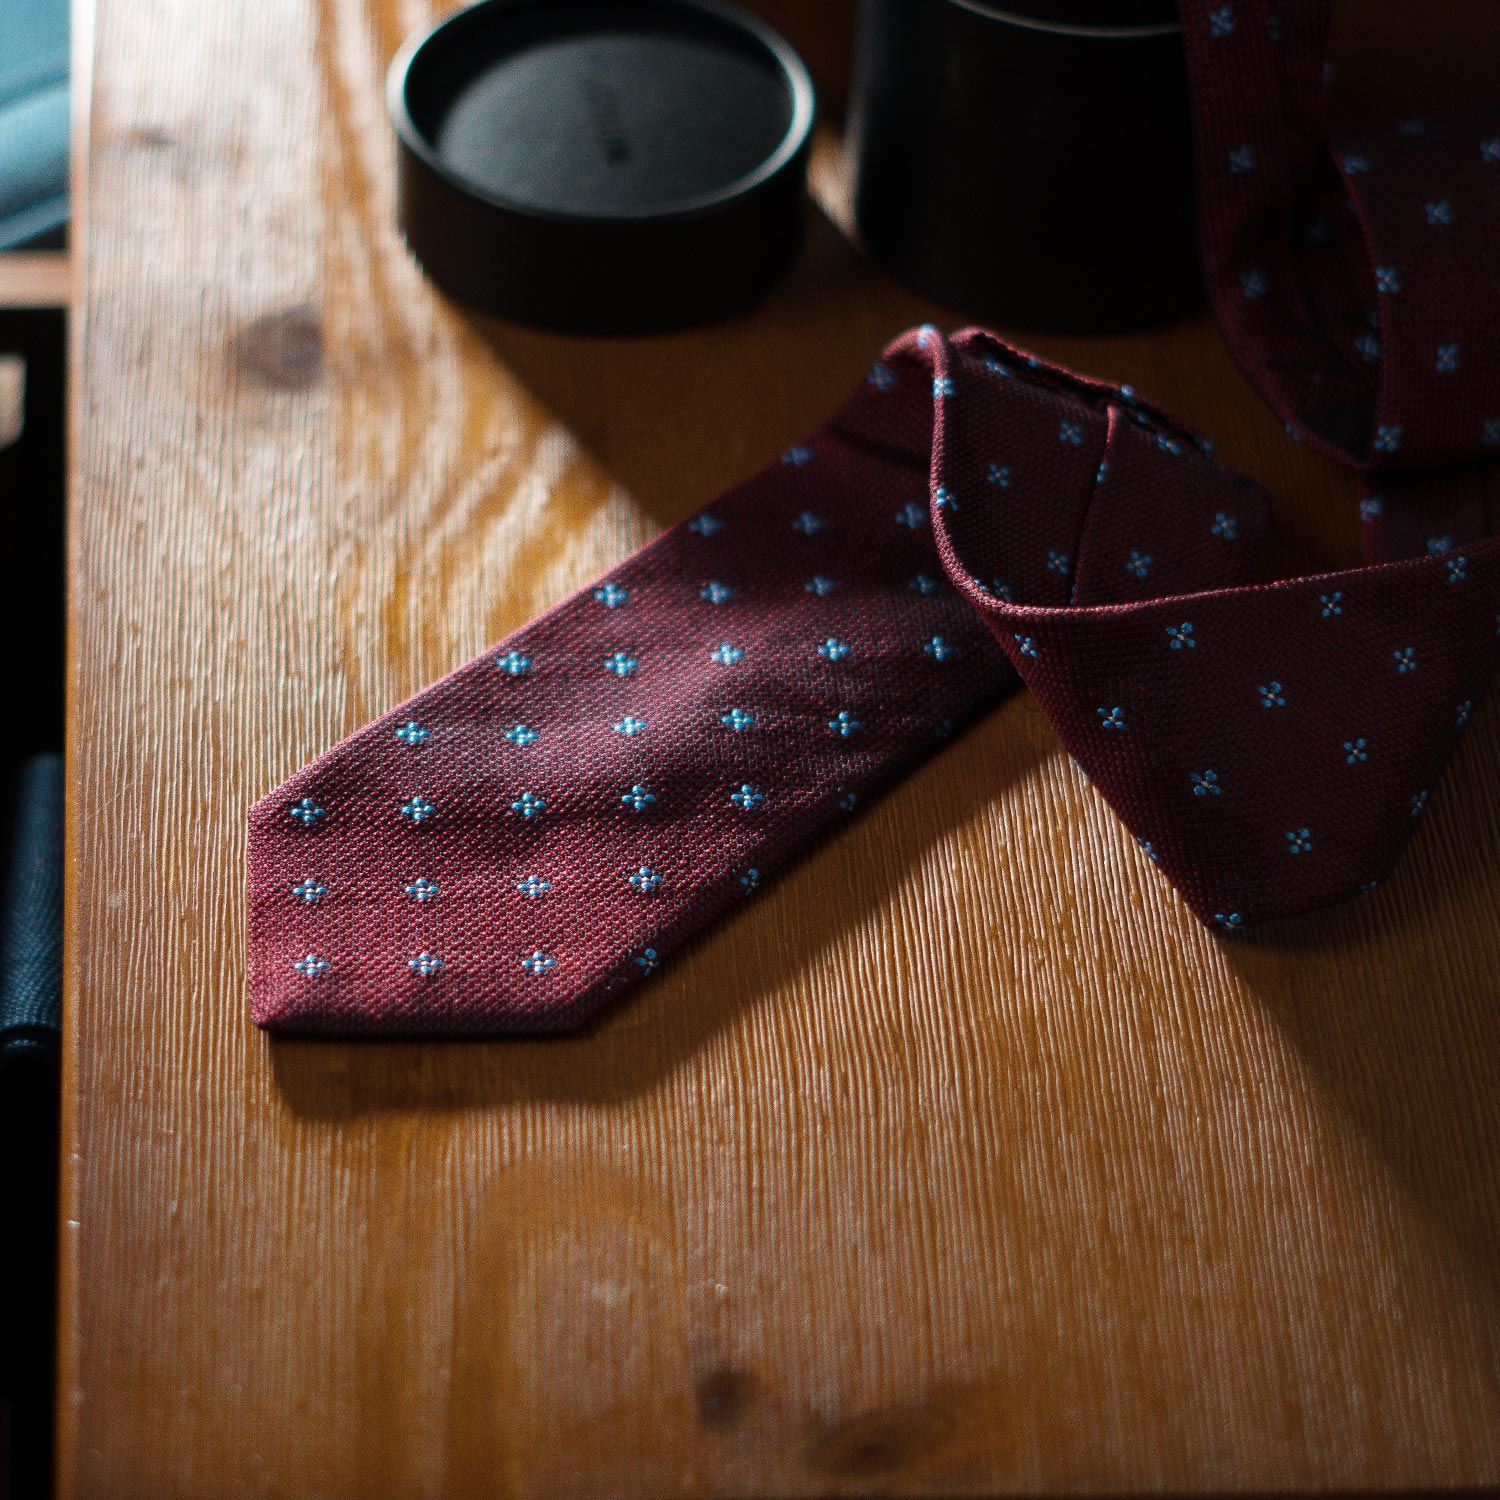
[[544, 827]]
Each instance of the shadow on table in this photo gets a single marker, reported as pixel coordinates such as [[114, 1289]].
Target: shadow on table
[[1416, 1071], [677, 418]]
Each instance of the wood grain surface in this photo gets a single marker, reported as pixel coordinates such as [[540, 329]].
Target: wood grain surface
[[966, 1163]]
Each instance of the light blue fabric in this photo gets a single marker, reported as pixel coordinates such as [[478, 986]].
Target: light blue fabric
[[33, 122]]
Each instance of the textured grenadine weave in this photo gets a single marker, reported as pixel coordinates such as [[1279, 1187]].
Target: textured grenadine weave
[[548, 824]]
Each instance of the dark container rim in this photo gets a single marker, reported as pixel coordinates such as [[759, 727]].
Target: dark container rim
[[424, 46], [1075, 26]]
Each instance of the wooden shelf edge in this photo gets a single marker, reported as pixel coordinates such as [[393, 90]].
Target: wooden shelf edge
[[42, 278]]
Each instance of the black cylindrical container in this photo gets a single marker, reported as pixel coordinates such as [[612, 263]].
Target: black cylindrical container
[[1030, 164], [602, 166]]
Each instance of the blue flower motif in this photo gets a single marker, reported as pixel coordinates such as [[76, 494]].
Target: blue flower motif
[[1164, 440], [1371, 507], [1331, 604], [725, 654], [1368, 347], [833, 649], [426, 964], [1271, 695], [1111, 718], [1058, 562], [747, 798], [798, 455], [1221, 21], [1465, 709], [924, 583], [528, 804], [1138, 562], [1458, 569], [645, 880], [1491, 434], [715, 592], [628, 726], [519, 734], [1439, 211], [1149, 850], [911, 515], [611, 595], [706, 524], [737, 719], [1419, 804], [944, 498], [1071, 433], [1254, 285], [1355, 164], [881, 376], [999, 476], [1355, 751], [1437, 544], [1387, 279], [310, 966], [1229, 921], [538, 963], [1446, 362], [1003, 591], [307, 811], [647, 961], [1225, 526], [1299, 841], [942, 386], [514, 663], [1388, 437], [939, 648], [421, 890], [1181, 635], [309, 891], [1206, 784], [1241, 160], [808, 522], [994, 366], [843, 723], [413, 734], [637, 799], [533, 887], [1489, 150], [750, 880], [820, 585], [417, 808], [1406, 659], [621, 664], [849, 802], [1027, 646]]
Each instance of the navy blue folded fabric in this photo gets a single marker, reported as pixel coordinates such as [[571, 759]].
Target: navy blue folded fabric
[[31, 916]]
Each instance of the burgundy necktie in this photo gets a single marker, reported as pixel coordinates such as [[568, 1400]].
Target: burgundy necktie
[[551, 822]]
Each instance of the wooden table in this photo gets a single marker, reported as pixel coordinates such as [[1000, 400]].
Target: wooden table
[[967, 1162]]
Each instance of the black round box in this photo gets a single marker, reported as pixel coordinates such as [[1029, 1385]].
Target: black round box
[[1032, 162], [601, 166]]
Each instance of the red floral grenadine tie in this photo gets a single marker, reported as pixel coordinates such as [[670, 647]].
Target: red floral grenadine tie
[[548, 824]]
